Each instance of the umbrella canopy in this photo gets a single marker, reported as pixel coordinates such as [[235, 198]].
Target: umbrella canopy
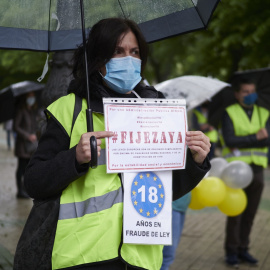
[[58, 25], [9, 95], [55, 25], [225, 98], [195, 89]]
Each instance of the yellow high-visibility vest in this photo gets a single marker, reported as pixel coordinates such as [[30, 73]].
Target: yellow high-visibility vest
[[243, 126], [89, 227]]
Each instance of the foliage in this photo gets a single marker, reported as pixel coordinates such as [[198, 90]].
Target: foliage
[[16, 66], [237, 38]]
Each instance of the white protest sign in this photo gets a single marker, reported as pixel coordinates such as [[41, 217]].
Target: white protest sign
[[149, 135], [148, 208]]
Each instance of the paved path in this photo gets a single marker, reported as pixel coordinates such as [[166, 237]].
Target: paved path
[[201, 246], [13, 211]]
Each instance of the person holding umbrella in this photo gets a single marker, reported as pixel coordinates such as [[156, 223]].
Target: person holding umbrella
[[245, 130], [89, 226]]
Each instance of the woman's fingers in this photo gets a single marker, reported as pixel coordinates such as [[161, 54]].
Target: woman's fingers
[[101, 134], [83, 150], [197, 138], [204, 145], [199, 145]]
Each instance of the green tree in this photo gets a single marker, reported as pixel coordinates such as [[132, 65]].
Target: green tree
[[16, 66], [237, 38]]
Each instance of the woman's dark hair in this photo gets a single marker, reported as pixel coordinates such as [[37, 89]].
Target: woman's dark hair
[[101, 43]]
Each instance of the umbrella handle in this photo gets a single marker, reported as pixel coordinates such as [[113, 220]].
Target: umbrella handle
[[94, 156], [93, 140], [90, 127]]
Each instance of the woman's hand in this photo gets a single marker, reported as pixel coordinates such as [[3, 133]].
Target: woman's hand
[[199, 145], [32, 137], [83, 151]]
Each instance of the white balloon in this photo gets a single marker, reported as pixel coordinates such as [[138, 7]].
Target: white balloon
[[217, 166], [237, 174]]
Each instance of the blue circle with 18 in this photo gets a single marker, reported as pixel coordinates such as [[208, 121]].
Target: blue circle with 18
[[147, 194]]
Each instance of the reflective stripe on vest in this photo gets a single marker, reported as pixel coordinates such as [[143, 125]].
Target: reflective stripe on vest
[[92, 205], [243, 126], [246, 153], [89, 228]]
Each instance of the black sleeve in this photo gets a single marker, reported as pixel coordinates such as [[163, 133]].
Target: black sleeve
[[185, 180], [233, 141], [53, 166]]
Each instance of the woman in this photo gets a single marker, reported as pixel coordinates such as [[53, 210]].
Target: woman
[[89, 228], [25, 126]]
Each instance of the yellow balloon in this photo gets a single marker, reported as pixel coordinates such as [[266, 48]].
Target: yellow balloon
[[194, 202], [211, 191], [234, 203]]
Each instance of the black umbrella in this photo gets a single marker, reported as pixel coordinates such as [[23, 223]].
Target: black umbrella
[[10, 94], [261, 77], [57, 25]]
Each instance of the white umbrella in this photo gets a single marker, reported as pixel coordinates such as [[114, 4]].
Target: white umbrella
[[195, 89]]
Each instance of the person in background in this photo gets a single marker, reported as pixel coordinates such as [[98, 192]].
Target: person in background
[[245, 131], [25, 126], [200, 122], [179, 207]]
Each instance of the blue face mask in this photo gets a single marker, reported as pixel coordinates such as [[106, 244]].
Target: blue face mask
[[250, 99], [123, 74]]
